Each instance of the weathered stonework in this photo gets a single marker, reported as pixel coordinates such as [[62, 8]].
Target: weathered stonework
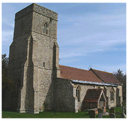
[[66, 99], [32, 58], [34, 67], [63, 96]]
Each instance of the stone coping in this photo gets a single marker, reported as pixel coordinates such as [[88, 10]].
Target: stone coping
[[38, 9]]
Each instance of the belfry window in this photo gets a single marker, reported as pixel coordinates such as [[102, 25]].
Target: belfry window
[[78, 94], [46, 28]]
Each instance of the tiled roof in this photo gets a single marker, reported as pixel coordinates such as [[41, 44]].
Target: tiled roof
[[91, 75], [93, 95], [105, 76], [78, 74]]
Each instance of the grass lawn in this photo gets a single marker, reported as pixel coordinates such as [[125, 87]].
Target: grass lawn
[[118, 112], [6, 114]]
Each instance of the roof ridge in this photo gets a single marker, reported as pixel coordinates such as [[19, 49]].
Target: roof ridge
[[85, 69], [92, 70], [102, 71], [75, 68]]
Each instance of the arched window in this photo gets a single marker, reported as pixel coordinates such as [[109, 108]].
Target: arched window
[[112, 95], [46, 28], [117, 91], [78, 93], [105, 91]]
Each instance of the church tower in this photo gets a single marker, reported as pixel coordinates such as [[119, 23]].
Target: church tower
[[33, 59]]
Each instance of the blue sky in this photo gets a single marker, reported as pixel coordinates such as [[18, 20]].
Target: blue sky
[[89, 34]]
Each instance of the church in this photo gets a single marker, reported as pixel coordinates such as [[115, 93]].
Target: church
[[41, 83]]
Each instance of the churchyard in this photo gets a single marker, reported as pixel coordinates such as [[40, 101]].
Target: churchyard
[[7, 114]]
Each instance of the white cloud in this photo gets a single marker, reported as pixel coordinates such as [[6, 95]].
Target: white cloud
[[107, 68], [69, 55], [110, 43], [111, 68], [86, 34]]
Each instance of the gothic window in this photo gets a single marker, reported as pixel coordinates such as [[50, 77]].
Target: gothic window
[[78, 94], [46, 28], [117, 92], [112, 95], [105, 91]]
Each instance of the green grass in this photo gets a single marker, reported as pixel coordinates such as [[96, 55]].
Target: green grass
[[6, 114], [118, 113], [118, 109]]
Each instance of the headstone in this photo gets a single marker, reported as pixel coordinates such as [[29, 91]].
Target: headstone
[[112, 113], [112, 110], [92, 113], [100, 113]]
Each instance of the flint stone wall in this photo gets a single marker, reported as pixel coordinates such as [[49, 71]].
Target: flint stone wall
[[32, 57], [63, 96]]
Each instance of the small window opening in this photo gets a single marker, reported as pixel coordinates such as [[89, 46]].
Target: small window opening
[[43, 64], [112, 96], [78, 94], [50, 20], [45, 29]]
